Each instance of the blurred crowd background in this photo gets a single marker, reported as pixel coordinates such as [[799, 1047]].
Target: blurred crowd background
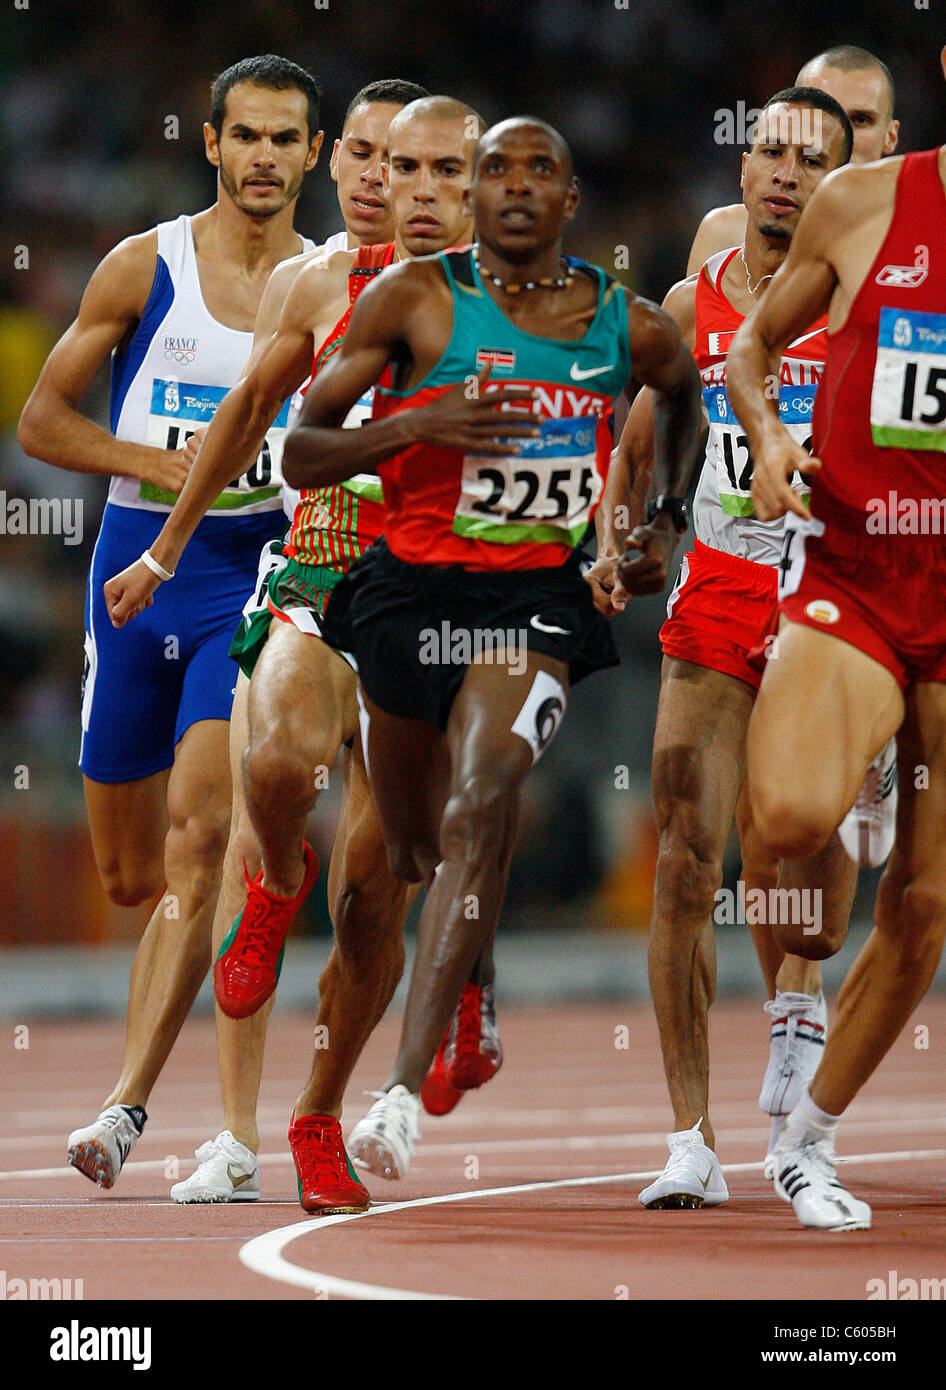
[[635, 86]]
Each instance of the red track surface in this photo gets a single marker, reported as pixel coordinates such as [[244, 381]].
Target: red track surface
[[567, 1105]]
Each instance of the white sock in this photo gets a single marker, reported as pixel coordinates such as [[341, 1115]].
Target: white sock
[[808, 1120]]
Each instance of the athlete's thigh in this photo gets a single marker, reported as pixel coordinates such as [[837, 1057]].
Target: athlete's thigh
[[699, 751], [408, 764], [199, 785], [505, 716], [128, 822], [302, 695], [756, 858], [359, 859], [824, 710]]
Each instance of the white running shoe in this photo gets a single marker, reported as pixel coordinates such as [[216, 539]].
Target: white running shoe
[[228, 1172], [805, 1175], [692, 1177], [796, 1046], [383, 1142], [868, 830], [99, 1149]]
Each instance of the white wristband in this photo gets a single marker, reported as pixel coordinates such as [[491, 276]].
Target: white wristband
[[154, 567]]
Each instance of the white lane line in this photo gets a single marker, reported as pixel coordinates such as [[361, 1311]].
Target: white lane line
[[109, 1240], [573, 1142], [263, 1254], [865, 1109]]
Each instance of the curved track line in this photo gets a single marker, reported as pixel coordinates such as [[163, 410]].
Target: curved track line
[[263, 1254]]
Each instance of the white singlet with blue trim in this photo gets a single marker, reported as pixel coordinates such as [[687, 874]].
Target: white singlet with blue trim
[[174, 373]]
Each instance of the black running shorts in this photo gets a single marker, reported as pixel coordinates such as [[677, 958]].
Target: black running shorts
[[414, 629]]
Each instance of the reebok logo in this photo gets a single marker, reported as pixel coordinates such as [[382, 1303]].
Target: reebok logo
[[906, 277], [902, 277]]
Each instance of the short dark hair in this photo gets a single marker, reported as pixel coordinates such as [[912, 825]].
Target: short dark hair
[[847, 57], [389, 89], [265, 70], [812, 96]]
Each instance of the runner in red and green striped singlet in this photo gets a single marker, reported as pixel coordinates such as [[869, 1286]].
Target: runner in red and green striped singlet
[[333, 525]]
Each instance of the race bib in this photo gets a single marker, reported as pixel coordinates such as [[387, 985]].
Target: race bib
[[178, 409], [731, 447], [544, 493], [908, 398]]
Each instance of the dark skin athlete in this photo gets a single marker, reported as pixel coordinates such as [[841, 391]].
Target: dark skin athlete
[[452, 799]]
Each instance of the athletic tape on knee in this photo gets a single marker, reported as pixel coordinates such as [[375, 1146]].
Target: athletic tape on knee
[[542, 711], [363, 722]]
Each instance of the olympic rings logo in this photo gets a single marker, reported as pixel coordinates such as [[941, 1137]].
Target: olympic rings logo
[[183, 359]]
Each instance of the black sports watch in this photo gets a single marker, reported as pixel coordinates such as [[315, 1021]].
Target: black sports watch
[[676, 506]]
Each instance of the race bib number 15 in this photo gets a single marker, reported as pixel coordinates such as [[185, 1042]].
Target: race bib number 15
[[908, 399]]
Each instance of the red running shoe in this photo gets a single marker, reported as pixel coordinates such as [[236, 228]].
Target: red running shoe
[[472, 1051], [250, 959], [327, 1181], [437, 1096]]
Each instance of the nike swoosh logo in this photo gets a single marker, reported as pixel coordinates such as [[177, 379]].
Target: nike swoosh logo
[[237, 1182], [577, 374], [705, 1181], [536, 622]]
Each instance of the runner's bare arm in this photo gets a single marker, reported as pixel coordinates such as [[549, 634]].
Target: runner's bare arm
[[318, 452], [663, 360], [800, 293], [622, 504], [51, 426], [720, 228], [632, 463], [661, 352]]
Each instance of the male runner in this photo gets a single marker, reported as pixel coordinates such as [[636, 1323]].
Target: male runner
[[862, 650], [862, 84], [302, 694], [864, 87], [228, 1168], [715, 644], [481, 547], [175, 307], [795, 1003]]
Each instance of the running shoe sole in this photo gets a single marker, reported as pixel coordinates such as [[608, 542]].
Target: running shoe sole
[[371, 1152], [92, 1158], [676, 1201]]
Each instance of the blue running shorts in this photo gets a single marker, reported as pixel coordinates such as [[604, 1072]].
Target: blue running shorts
[[145, 684]]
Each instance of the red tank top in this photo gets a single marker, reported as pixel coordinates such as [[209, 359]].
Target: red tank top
[[879, 422], [333, 525]]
